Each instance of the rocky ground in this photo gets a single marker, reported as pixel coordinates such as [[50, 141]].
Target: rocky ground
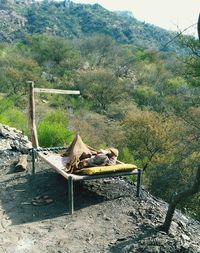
[[108, 217]]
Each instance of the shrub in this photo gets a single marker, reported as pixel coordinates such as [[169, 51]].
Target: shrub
[[52, 130], [59, 117], [15, 118], [5, 104], [125, 155]]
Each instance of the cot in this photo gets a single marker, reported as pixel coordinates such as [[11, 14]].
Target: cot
[[58, 162]]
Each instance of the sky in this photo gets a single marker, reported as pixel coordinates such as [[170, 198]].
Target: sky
[[173, 15]]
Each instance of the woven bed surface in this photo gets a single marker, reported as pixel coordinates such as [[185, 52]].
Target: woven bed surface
[[60, 162]]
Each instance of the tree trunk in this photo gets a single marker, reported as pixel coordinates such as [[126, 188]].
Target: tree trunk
[[195, 188]]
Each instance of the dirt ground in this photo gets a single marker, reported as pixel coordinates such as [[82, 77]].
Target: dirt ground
[[107, 218]]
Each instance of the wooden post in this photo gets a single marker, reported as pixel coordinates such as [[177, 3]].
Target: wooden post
[[32, 124]]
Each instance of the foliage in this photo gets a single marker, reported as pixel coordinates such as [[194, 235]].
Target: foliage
[[99, 50], [12, 116], [143, 102], [192, 60], [53, 53], [52, 130], [15, 70], [80, 20], [96, 130], [15, 118], [5, 104], [126, 156], [100, 87], [192, 206], [151, 136], [146, 96]]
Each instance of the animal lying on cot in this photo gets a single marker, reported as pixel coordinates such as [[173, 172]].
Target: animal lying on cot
[[82, 156]]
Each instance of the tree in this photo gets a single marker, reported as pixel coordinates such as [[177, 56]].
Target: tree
[[150, 136], [192, 118], [177, 198], [96, 130], [146, 96], [53, 53], [100, 50], [15, 70], [191, 60], [100, 88]]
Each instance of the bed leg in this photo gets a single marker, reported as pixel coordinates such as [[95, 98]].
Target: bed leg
[[33, 161], [138, 182], [70, 195]]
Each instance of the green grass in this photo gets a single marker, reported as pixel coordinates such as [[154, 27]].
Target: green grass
[[52, 130]]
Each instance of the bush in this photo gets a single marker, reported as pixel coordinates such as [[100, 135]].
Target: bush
[[15, 118], [5, 104], [126, 156], [146, 96], [52, 130], [59, 117]]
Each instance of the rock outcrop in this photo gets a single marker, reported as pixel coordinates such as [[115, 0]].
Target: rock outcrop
[[13, 139]]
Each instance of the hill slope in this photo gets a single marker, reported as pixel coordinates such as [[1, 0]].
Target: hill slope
[[77, 20], [108, 217]]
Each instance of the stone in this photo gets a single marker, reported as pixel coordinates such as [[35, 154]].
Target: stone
[[16, 143], [12, 139], [3, 132], [185, 237], [185, 246], [181, 224], [106, 218], [173, 228], [174, 225], [4, 144]]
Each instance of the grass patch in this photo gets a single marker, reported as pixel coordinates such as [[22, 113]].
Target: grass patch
[[52, 130]]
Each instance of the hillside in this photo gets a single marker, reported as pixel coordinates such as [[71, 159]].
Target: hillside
[[134, 97], [70, 20], [108, 217]]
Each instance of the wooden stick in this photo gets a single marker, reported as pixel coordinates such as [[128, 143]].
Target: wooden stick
[[32, 124], [55, 91], [22, 163]]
